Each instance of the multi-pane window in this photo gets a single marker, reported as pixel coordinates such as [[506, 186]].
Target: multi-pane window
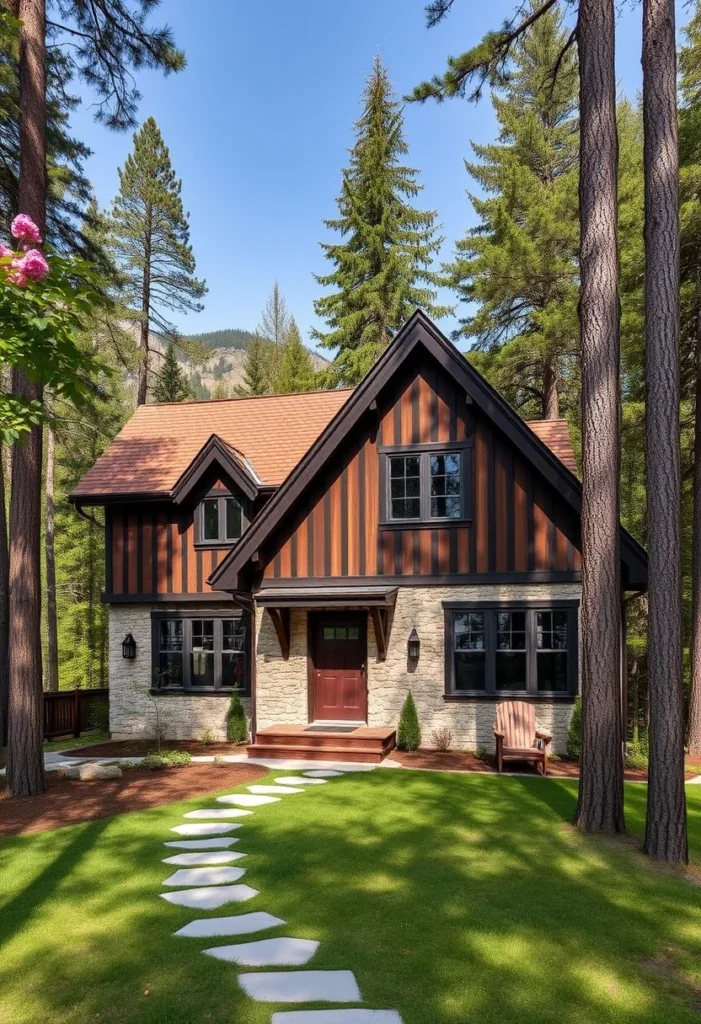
[[424, 486], [497, 649], [201, 654], [221, 520], [341, 633]]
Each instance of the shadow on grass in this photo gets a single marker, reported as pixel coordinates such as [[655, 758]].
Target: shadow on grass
[[452, 898]]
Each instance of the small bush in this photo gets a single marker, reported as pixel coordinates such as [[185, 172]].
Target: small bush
[[482, 753], [166, 759], [99, 716], [574, 733], [236, 724], [638, 754], [442, 738], [207, 738], [409, 731]]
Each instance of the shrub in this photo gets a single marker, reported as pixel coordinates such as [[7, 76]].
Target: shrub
[[409, 731], [574, 733], [442, 738], [481, 752], [207, 737], [638, 752], [236, 724], [166, 759]]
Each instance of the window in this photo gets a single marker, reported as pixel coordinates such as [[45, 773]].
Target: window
[[496, 649], [426, 486], [208, 653], [220, 520], [341, 633]]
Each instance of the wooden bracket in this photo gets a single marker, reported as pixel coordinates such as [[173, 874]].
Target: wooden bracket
[[281, 621], [379, 621]]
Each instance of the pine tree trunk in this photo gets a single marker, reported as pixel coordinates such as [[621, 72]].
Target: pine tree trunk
[[4, 615], [665, 834], [51, 619], [25, 767], [694, 724], [144, 351], [551, 401], [600, 805]]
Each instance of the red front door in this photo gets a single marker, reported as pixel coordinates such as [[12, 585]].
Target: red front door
[[338, 655]]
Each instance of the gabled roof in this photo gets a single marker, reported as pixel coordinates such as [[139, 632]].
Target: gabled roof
[[157, 446], [556, 435], [215, 453], [418, 331]]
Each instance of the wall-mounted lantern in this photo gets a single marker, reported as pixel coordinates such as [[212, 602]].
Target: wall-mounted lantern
[[413, 645], [129, 647]]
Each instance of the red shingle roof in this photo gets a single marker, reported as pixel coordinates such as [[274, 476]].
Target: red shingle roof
[[272, 432], [159, 442]]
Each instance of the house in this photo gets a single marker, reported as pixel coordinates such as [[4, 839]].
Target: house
[[328, 552]]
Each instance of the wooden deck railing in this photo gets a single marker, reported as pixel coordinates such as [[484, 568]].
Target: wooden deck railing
[[67, 712]]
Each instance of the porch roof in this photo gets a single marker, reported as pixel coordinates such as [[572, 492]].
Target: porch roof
[[327, 597]]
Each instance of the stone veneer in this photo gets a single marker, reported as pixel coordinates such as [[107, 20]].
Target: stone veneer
[[132, 708], [281, 686]]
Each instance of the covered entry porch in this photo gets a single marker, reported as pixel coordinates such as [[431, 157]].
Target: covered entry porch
[[337, 622]]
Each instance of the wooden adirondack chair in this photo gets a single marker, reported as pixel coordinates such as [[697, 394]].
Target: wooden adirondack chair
[[516, 735]]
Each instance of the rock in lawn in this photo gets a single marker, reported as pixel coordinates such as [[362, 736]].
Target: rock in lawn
[[91, 771]]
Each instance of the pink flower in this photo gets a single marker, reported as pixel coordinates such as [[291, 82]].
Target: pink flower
[[4, 251], [33, 265], [24, 228], [18, 278]]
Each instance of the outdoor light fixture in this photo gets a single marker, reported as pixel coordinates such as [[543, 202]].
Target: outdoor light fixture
[[129, 647], [413, 645]]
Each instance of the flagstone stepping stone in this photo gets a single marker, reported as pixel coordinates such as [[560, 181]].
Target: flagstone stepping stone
[[280, 790], [302, 987], [206, 828], [245, 800], [204, 876], [337, 1017], [203, 844], [202, 859], [210, 897], [282, 952], [299, 780], [217, 812], [242, 924], [322, 773]]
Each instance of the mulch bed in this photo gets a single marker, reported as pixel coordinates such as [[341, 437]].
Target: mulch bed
[[466, 761], [139, 748], [68, 801]]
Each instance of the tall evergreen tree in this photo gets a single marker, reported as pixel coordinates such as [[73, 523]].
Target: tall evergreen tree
[[382, 264], [171, 385], [257, 369], [519, 263], [296, 372], [274, 325], [151, 241]]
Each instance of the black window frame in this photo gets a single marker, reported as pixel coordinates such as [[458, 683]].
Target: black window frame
[[221, 497], [490, 609], [187, 618], [423, 452]]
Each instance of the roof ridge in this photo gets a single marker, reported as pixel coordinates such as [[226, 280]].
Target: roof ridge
[[242, 398]]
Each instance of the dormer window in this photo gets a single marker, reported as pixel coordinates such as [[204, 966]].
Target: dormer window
[[220, 519]]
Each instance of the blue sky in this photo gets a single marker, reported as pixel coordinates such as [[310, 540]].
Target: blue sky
[[259, 123]]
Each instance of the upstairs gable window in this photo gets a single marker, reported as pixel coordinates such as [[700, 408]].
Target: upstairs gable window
[[427, 486], [220, 519]]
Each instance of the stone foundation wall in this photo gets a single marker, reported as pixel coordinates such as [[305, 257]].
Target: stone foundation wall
[[132, 709], [281, 687]]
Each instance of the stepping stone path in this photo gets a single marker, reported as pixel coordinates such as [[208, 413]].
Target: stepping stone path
[[195, 860], [204, 870], [208, 828], [204, 876], [202, 844], [242, 924], [243, 800], [268, 952], [211, 897], [218, 812]]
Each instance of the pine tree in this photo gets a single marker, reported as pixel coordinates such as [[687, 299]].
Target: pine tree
[[172, 385], [295, 372], [409, 730], [382, 263], [257, 369], [519, 263], [151, 242], [274, 325]]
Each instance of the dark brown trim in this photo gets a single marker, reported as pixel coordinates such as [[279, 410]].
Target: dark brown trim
[[293, 555], [491, 503], [379, 622], [415, 430], [139, 553], [214, 596], [109, 554], [200, 572], [310, 543], [169, 557], [327, 531], [446, 580], [529, 698], [125, 552], [432, 446], [420, 524], [344, 521], [361, 512], [281, 621], [530, 523], [510, 511], [154, 552], [214, 453], [182, 527]]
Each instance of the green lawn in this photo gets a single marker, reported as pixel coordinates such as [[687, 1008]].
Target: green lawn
[[452, 898], [70, 742]]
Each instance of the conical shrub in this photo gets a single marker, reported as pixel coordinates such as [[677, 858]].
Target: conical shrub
[[236, 724], [409, 731]]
